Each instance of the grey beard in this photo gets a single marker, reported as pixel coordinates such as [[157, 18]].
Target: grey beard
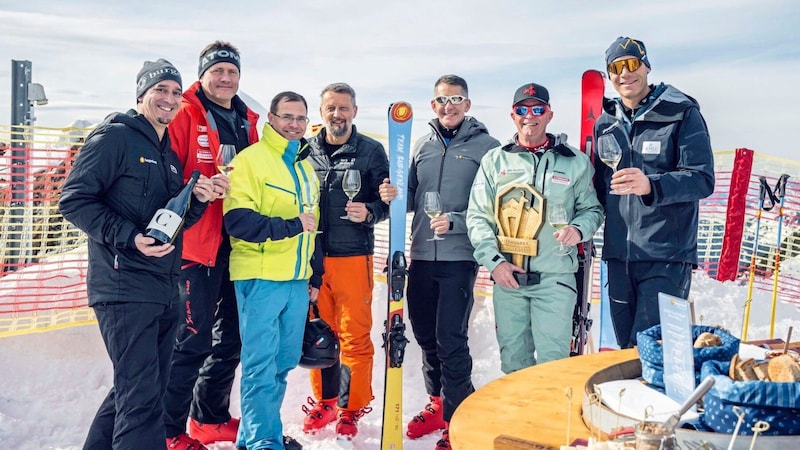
[[338, 130]]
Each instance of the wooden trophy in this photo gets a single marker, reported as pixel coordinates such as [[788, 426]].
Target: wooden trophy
[[519, 214]]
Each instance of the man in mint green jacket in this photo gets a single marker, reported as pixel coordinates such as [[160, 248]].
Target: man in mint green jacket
[[533, 299]]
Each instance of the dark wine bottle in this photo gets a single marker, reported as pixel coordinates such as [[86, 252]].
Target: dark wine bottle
[[168, 221]]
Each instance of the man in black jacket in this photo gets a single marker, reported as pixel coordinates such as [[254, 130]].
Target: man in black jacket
[[125, 172], [667, 166], [345, 297]]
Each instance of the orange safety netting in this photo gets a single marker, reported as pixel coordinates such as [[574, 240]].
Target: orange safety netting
[[43, 257]]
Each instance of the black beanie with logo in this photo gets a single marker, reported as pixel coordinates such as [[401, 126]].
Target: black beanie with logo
[[153, 72]]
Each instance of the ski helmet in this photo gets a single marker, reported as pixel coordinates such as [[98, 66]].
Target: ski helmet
[[320, 344]]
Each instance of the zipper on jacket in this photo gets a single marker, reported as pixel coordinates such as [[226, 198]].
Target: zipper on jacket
[[116, 262], [536, 161], [439, 185]]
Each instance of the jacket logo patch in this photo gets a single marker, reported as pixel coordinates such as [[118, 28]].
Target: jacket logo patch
[[511, 171], [202, 140], [558, 179], [651, 147], [142, 159], [204, 155], [202, 129]]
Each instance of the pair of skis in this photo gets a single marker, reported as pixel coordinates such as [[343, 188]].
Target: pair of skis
[[592, 88]]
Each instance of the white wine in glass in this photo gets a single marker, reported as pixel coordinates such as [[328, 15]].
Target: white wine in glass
[[310, 201], [224, 160], [351, 184], [610, 153], [558, 218], [433, 208]]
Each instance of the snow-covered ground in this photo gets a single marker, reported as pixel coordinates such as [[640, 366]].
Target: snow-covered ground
[[52, 383]]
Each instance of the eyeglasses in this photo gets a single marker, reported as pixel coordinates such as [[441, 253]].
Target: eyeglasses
[[537, 110], [632, 64], [453, 99], [301, 120]]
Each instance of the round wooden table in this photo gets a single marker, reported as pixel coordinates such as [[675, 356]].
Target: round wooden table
[[531, 403]]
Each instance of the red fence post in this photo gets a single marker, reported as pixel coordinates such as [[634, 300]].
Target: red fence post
[[734, 216]]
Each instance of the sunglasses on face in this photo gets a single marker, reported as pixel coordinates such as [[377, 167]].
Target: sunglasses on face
[[453, 99], [537, 110], [632, 64]]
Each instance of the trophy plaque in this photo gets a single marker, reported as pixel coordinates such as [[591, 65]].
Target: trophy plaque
[[519, 210]]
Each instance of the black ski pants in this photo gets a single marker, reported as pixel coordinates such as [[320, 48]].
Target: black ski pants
[[139, 338], [440, 301], [633, 289], [207, 348]]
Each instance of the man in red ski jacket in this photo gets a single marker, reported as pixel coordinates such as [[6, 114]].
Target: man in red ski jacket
[[207, 347]]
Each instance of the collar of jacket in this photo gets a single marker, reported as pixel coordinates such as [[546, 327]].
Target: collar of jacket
[[275, 141], [195, 96], [557, 145], [317, 141], [469, 127]]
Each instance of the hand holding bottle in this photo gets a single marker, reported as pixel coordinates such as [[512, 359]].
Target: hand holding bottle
[[149, 247], [206, 189]]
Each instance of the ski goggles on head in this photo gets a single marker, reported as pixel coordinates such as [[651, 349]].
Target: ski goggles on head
[[537, 110], [453, 99], [632, 64]]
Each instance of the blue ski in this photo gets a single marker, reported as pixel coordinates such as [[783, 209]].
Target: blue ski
[[394, 339]]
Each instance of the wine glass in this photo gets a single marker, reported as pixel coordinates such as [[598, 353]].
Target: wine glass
[[610, 153], [351, 184], [558, 218], [310, 201], [433, 208], [224, 161]]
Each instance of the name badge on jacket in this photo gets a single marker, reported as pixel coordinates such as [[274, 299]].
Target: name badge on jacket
[[651, 147]]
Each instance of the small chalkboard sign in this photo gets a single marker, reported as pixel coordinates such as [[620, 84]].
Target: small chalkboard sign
[[677, 342]]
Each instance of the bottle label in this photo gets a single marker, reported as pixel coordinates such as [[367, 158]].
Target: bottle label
[[165, 221]]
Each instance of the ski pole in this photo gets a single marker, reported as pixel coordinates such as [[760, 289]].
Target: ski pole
[[780, 189], [762, 193]]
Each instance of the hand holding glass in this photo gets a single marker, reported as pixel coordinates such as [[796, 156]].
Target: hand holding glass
[[433, 208], [559, 219], [225, 157], [310, 200], [610, 153], [351, 184]]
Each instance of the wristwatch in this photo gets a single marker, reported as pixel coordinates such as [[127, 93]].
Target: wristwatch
[[369, 218]]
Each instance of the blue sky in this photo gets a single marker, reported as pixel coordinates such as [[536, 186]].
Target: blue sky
[[739, 58]]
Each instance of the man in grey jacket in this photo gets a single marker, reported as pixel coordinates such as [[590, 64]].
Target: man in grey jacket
[[667, 166], [441, 276]]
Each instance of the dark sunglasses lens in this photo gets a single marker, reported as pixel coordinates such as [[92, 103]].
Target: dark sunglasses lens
[[456, 99], [521, 110]]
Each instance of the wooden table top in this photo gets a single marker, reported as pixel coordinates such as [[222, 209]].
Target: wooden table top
[[530, 403]]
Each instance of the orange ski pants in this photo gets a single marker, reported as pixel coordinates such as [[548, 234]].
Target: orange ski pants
[[345, 303]]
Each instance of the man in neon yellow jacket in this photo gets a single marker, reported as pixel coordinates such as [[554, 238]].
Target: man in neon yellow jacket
[[270, 214], [534, 299]]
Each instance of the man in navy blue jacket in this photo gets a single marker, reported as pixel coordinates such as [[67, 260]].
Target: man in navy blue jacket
[[667, 166]]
